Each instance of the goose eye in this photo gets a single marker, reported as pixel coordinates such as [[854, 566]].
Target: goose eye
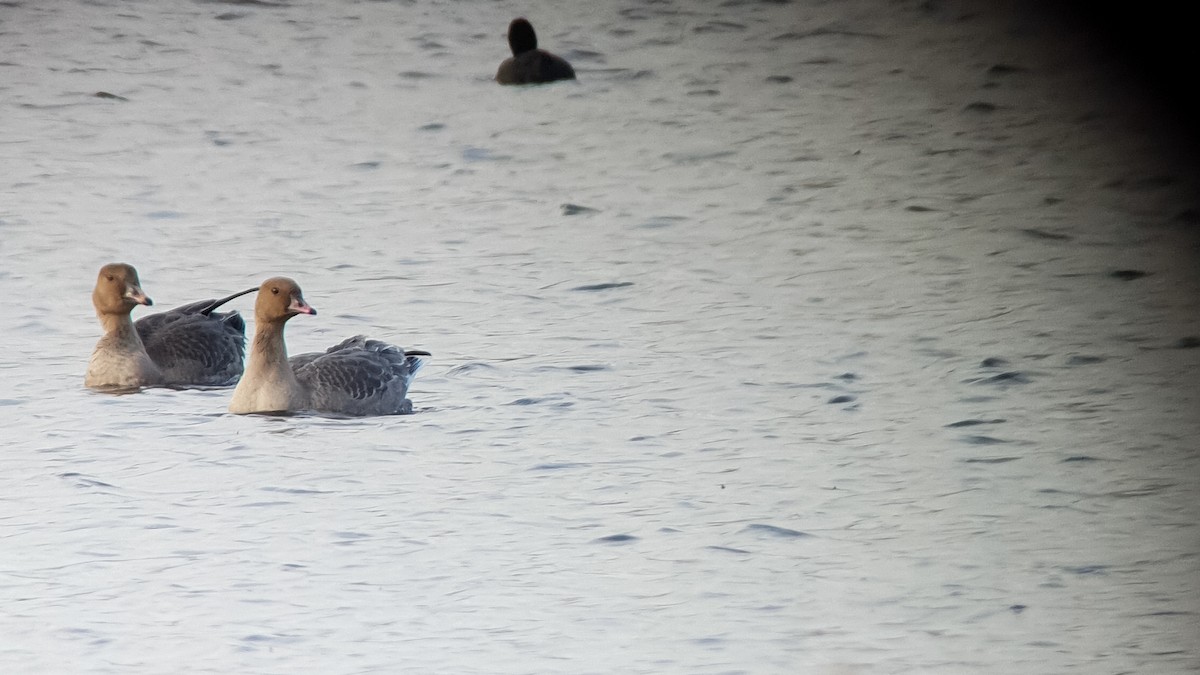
[[109, 277], [274, 290]]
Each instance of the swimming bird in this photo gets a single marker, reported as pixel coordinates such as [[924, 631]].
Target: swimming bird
[[357, 376], [528, 64], [189, 345]]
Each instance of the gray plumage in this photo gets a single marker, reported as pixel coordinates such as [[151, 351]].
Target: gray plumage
[[193, 344], [359, 377]]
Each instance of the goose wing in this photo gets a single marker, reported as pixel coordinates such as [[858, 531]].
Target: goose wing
[[359, 376]]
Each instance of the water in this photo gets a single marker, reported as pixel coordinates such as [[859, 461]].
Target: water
[[792, 338]]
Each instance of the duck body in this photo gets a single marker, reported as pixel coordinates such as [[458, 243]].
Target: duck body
[[535, 67], [528, 64], [356, 377], [191, 345]]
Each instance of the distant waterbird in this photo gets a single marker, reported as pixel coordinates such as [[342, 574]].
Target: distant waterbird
[[528, 64]]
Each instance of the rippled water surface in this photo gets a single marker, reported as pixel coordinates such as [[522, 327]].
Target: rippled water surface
[[850, 337]]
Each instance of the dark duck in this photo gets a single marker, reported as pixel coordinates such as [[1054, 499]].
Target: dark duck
[[528, 64]]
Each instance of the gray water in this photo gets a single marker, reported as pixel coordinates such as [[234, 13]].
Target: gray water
[[848, 337]]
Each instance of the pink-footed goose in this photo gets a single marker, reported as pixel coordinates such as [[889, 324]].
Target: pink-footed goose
[[355, 377], [191, 345]]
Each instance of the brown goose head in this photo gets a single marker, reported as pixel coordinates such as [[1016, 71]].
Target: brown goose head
[[118, 290], [279, 299]]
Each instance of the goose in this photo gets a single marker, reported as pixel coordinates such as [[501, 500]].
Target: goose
[[528, 64], [356, 377], [191, 345]]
